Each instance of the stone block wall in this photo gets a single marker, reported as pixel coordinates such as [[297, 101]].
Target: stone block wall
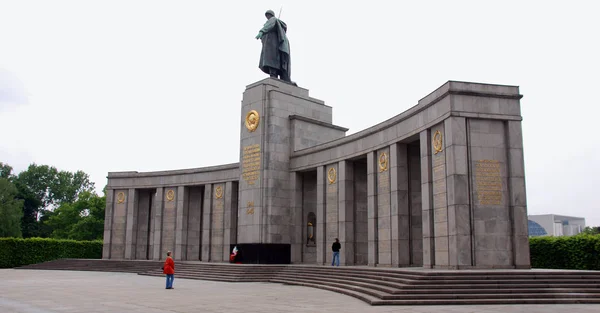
[[490, 194], [307, 133]]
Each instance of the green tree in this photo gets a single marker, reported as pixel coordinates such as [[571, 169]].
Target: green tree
[[11, 210], [43, 188], [80, 220], [591, 230], [53, 187], [5, 171]]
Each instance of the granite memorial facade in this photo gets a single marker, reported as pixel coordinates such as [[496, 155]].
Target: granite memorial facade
[[441, 185]]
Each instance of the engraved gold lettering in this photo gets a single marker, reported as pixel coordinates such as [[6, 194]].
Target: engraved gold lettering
[[488, 182], [251, 163]]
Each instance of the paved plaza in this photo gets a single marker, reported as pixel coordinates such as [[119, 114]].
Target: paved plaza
[[37, 291]]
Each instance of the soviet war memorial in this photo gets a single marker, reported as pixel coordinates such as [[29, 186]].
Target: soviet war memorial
[[441, 185], [427, 206], [438, 186]]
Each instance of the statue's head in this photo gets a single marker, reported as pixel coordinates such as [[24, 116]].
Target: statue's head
[[269, 14]]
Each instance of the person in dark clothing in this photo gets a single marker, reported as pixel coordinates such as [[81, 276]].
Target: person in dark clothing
[[336, 252]]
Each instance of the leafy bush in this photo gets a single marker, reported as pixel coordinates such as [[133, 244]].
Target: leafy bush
[[580, 252], [18, 252]]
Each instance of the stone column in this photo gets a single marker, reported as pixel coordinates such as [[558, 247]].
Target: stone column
[[457, 177], [230, 218], [346, 211], [130, 229], [440, 198], [517, 195], [169, 221], [399, 205], [331, 209], [108, 218], [267, 139], [216, 228], [157, 225], [321, 217], [119, 224], [181, 224], [297, 228], [427, 200], [384, 223], [372, 208], [206, 223]]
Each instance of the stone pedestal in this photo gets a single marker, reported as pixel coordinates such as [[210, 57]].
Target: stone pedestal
[[276, 119]]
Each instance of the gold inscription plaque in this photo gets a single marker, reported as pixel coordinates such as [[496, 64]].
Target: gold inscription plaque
[[251, 163], [438, 142], [383, 182], [383, 162], [219, 192], [121, 197], [170, 195], [331, 175], [252, 120], [250, 208], [488, 182]]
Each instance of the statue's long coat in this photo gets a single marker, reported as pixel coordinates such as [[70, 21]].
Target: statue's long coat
[[275, 47]]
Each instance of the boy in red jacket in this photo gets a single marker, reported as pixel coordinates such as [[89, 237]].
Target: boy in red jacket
[[169, 269]]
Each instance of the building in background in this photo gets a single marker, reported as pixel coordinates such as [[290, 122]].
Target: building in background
[[555, 225]]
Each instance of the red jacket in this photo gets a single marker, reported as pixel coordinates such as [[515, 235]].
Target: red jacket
[[169, 267]]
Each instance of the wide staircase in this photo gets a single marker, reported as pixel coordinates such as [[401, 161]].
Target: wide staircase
[[96, 265], [381, 286]]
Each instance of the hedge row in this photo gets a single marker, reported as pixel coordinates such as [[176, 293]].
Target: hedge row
[[580, 252], [574, 252], [17, 252]]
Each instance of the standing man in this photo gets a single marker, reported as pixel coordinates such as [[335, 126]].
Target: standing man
[[275, 54], [169, 270], [336, 252]]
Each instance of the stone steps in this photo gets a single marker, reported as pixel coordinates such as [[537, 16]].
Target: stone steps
[[393, 287], [372, 300], [96, 265], [384, 277], [382, 286]]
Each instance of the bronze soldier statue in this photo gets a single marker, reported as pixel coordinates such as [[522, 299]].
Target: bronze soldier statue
[[275, 54]]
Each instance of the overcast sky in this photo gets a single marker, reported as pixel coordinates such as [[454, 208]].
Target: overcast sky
[[105, 86]]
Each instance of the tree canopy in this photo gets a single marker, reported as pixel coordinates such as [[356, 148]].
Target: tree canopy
[[11, 210], [47, 202]]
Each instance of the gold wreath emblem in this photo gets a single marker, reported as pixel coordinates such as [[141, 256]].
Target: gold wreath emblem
[[252, 119], [170, 195], [437, 142], [219, 192], [121, 197], [383, 162], [331, 175]]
